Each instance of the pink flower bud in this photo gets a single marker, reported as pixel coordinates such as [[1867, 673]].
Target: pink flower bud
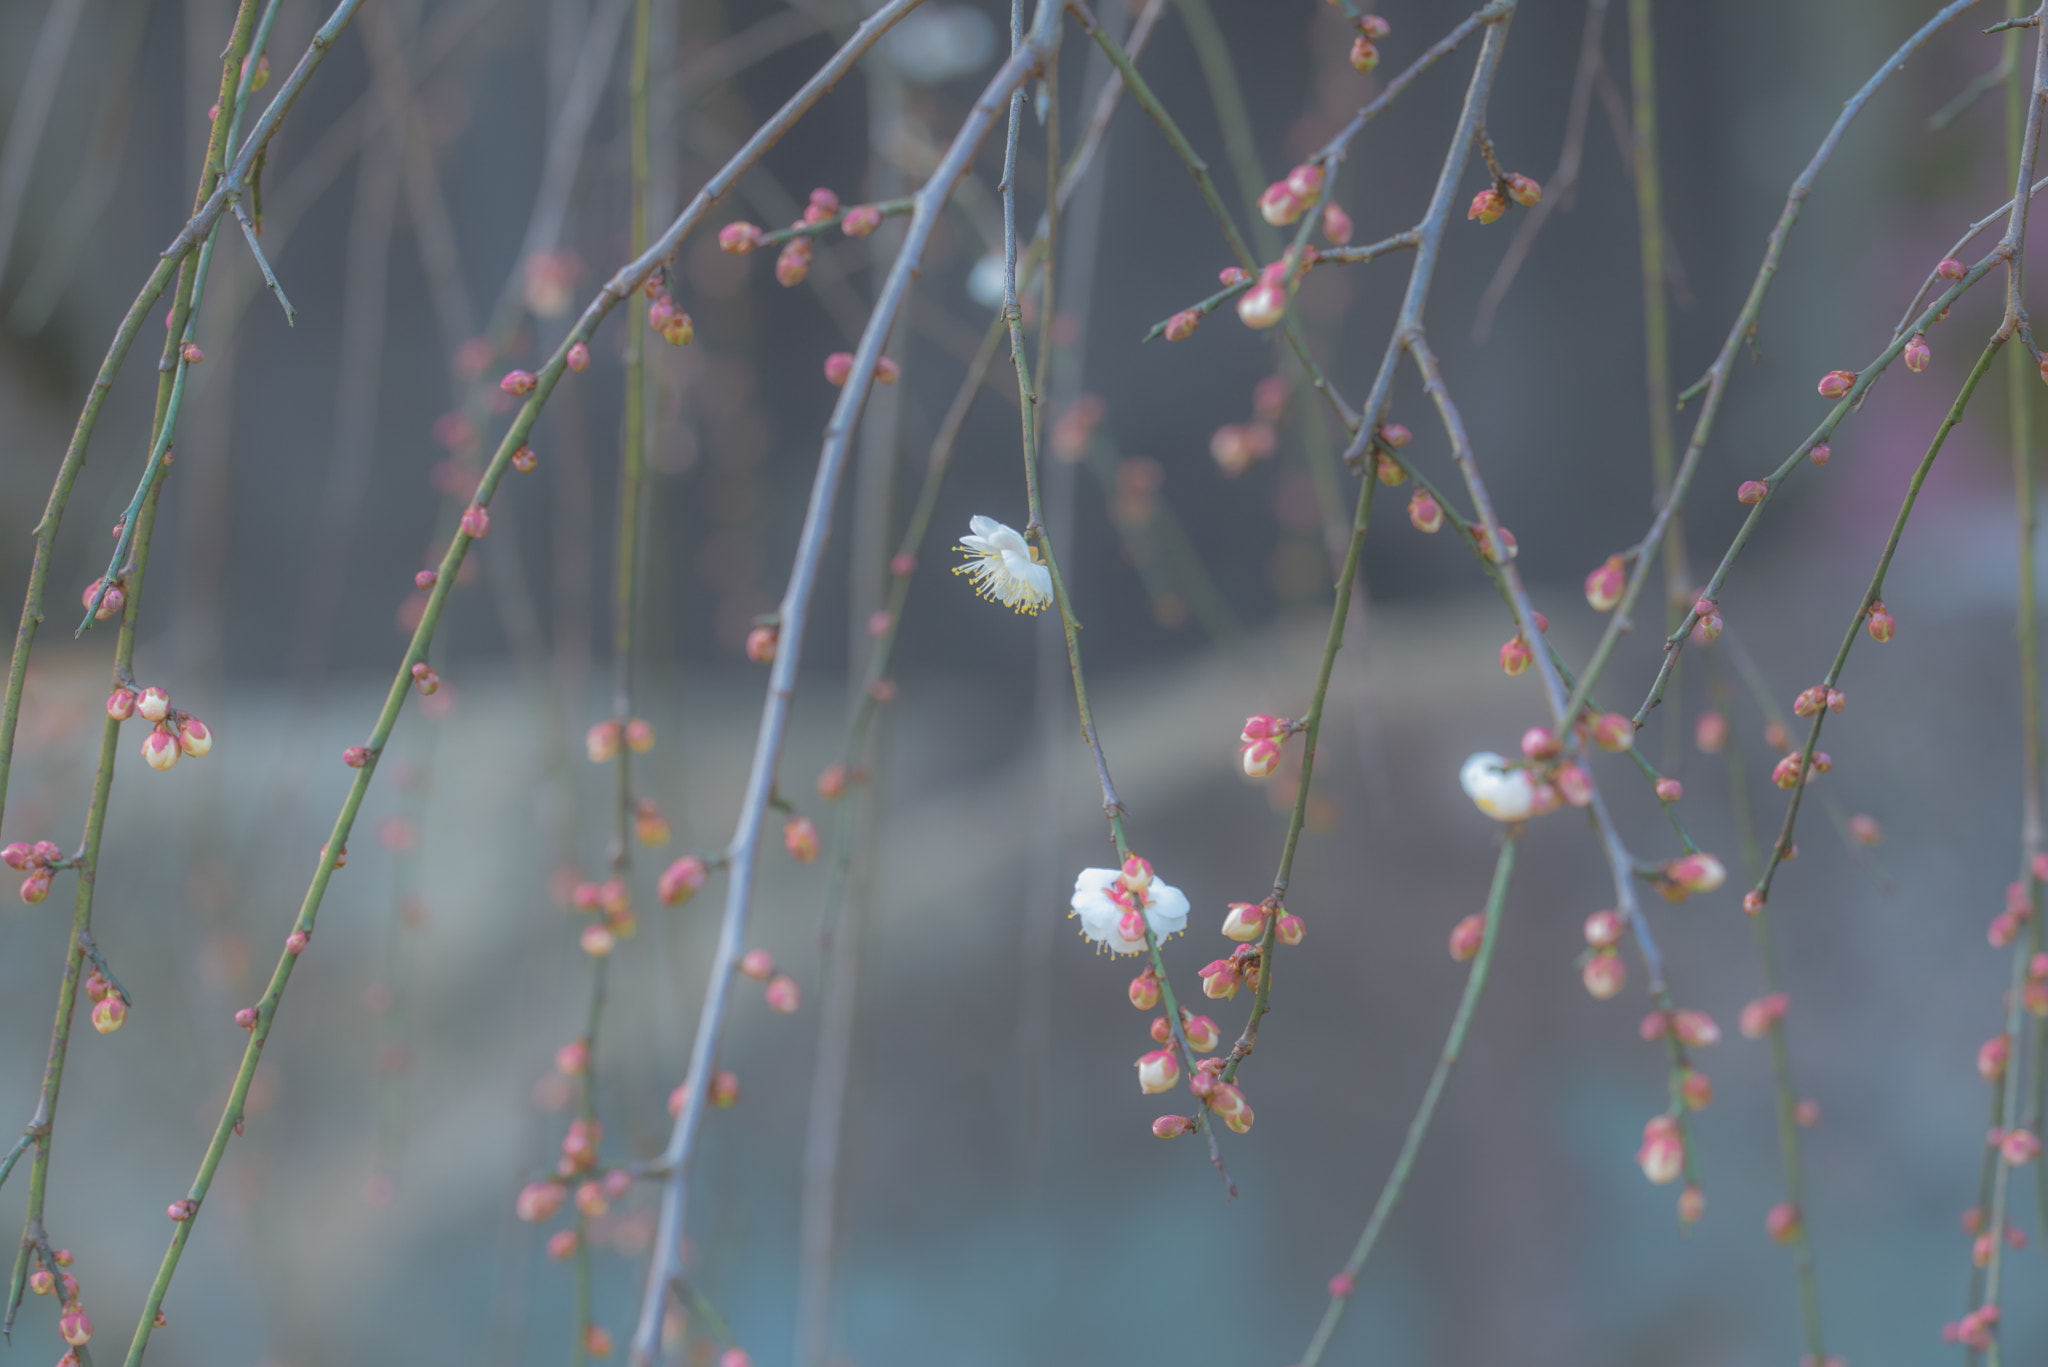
[[1992, 1056], [1137, 874], [2019, 1148], [1182, 325], [194, 738], [1710, 733], [75, 1327], [1337, 225], [517, 383], [476, 521], [1707, 624], [160, 749], [538, 1201], [1700, 872], [562, 1245], [573, 1058], [1761, 1016], [761, 644], [838, 366], [1951, 269], [590, 1200], [1751, 491], [425, 679], [800, 838], [154, 704], [739, 238], [1662, 1155], [1692, 1204], [1604, 586], [1880, 624], [1364, 57], [1696, 1090], [1305, 182], [183, 1210], [1523, 190], [1230, 1106], [1203, 1036], [524, 460], [1916, 354], [1424, 512], [1573, 784], [1262, 306], [1836, 383], [1696, 1029], [111, 602], [1467, 936], [1806, 1114], [597, 940], [1516, 657], [1604, 974], [1289, 930], [601, 742], [17, 856], [42, 1281], [579, 357], [1782, 1223], [121, 704], [861, 220], [192, 354], [1219, 979], [296, 942], [1144, 991], [1614, 733], [1261, 758], [1604, 929], [1487, 206], [1669, 790], [1540, 743], [1500, 555], [109, 1014], [1172, 1126], [724, 1090], [1158, 1071], [639, 735], [246, 1018], [793, 263], [782, 994], [1279, 206]]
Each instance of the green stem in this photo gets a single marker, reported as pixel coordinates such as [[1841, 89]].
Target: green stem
[[1418, 1128]]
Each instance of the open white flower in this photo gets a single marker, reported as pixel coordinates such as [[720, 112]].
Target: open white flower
[[1165, 906], [1502, 793], [1004, 567]]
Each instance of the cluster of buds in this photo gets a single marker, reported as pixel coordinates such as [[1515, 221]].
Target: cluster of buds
[[110, 603], [53, 1277], [1489, 204], [1789, 772], [723, 1091], [109, 1006], [1974, 1330], [1983, 1246], [1662, 1155], [1365, 54], [1811, 702], [1200, 1031], [1288, 199], [1224, 1099], [1237, 446], [39, 861], [780, 991], [839, 365], [601, 742], [1260, 743], [667, 317], [175, 734], [612, 904], [1706, 622], [1693, 1029], [1601, 967], [1246, 923], [1265, 304]]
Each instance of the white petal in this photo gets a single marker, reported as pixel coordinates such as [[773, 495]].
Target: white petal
[[1166, 909], [1009, 541], [1502, 793], [984, 527]]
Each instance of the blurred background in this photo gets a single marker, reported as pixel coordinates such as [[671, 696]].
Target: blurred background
[[458, 168]]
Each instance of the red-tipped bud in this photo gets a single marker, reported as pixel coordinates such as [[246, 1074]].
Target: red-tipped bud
[[246, 1018], [757, 964], [1604, 929], [1707, 624], [1182, 325], [562, 1245], [296, 942], [1246, 921], [782, 994], [74, 1326], [1761, 1016], [1424, 512], [1172, 1126], [1337, 226], [109, 1014], [538, 1201], [1364, 55], [1696, 1029], [1696, 1090], [1662, 1155], [793, 262], [838, 366], [160, 749], [1305, 182], [1487, 206], [153, 705], [42, 1281], [2019, 1147], [597, 940], [579, 357], [601, 742], [1540, 743], [517, 383], [1880, 624], [1467, 936], [1279, 205], [1515, 657], [1500, 553], [121, 704], [1669, 790], [1604, 974], [110, 603], [861, 220], [1916, 354], [1289, 929], [1523, 190], [476, 522], [525, 461], [1992, 1057], [1573, 784], [17, 856], [1951, 269], [1261, 758], [1219, 979], [1203, 1036], [1782, 1223], [1836, 383], [1751, 491], [1614, 732], [739, 238], [1144, 991], [761, 644], [194, 738], [1710, 732], [800, 838], [1604, 585]]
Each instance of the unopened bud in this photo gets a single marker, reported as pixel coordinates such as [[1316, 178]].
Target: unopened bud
[[800, 838], [1424, 512], [160, 749], [109, 1014], [1604, 585], [517, 383], [761, 644], [782, 994], [861, 220], [1880, 624], [1916, 354], [1467, 936], [1487, 206], [476, 522], [1604, 974], [739, 238]]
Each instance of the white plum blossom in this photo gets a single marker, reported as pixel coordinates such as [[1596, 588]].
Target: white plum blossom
[[1003, 566], [1503, 793], [1101, 914]]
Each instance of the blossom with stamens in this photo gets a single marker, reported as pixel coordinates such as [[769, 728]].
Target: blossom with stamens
[[1003, 567], [1115, 914]]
